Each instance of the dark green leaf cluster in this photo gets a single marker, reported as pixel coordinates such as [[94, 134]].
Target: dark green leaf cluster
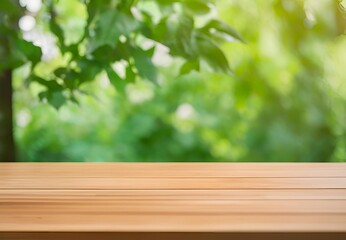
[[14, 50], [115, 31]]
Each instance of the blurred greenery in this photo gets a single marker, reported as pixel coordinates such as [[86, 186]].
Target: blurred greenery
[[285, 101]]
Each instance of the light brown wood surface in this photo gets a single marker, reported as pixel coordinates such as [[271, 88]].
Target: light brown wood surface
[[40, 199]]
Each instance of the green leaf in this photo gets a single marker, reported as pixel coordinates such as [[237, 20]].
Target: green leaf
[[214, 56], [43, 95], [115, 79], [109, 26], [51, 85], [144, 64], [221, 27], [106, 53], [130, 75], [188, 67], [69, 77], [9, 7], [197, 7], [73, 49], [126, 5], [88, 70], [184, 35], [23, 51], [54, 98], [55, 28], [177, 33]]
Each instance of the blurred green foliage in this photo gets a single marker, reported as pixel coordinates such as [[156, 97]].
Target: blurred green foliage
[[286, 100]]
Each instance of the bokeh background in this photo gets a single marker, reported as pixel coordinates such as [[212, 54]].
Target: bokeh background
[[286, 100]]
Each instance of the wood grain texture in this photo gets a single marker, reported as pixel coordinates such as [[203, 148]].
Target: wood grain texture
[[220, 200], [169, 170]]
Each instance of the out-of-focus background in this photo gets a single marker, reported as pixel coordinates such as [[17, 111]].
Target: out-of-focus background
[[286, 100]]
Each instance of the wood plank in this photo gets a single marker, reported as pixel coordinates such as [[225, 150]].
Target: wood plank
[[182, 207], [20, 195], [163, 170], [171, 183], [172, 198], [174, 223]]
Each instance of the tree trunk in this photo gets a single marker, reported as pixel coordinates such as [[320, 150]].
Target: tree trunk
[[7, 146]]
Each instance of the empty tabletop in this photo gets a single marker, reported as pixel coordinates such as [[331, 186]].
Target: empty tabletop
[[172, 200]]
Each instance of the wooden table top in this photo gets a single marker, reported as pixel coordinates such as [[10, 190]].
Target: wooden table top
[[173, 197]]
